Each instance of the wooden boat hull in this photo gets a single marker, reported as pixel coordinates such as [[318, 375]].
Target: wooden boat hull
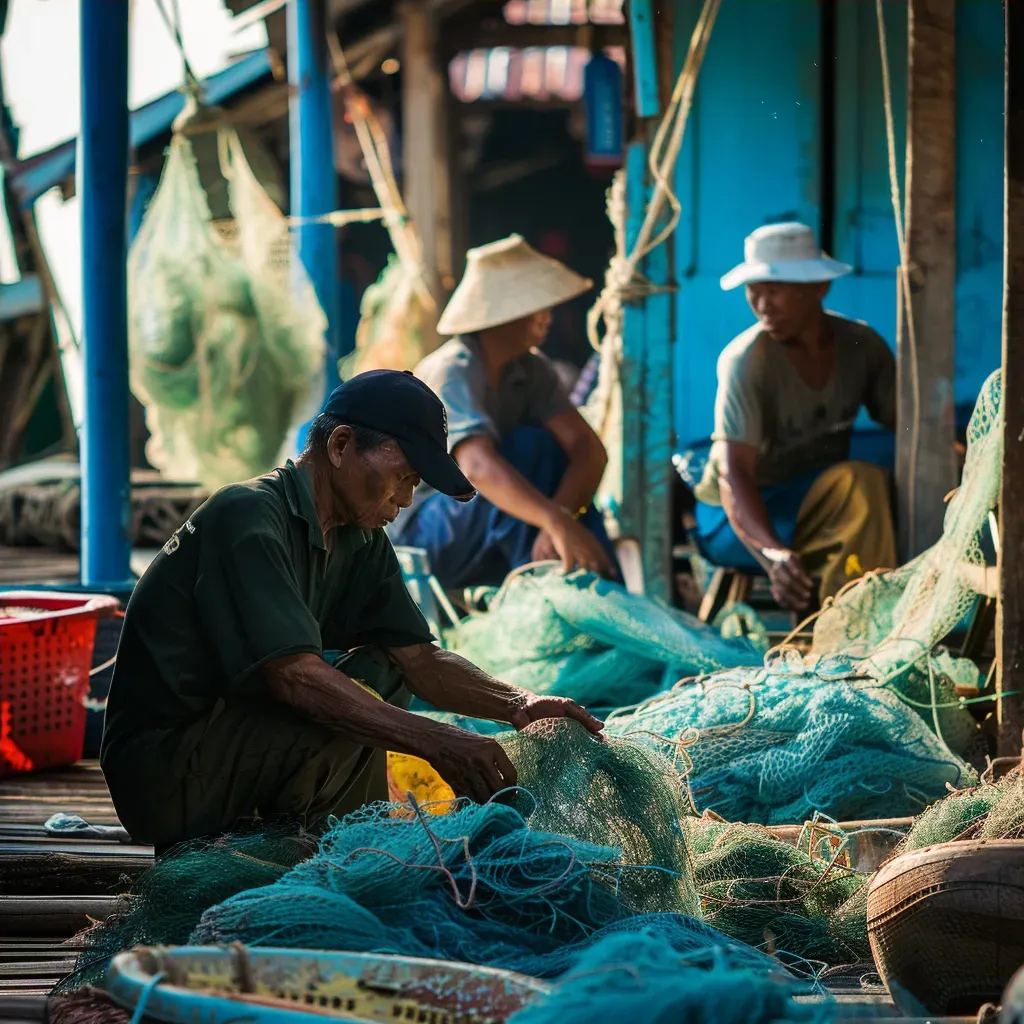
[[286, 985]]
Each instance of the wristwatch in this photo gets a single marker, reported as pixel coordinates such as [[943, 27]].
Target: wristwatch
[[578, 514]]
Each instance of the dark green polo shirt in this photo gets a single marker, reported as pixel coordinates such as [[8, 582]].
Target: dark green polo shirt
[[249, 578]]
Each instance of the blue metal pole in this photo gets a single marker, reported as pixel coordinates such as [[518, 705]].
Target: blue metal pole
[[103, 166], [314, 183]]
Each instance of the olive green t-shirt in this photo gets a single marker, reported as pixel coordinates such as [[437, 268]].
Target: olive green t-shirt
[[763, 401], [250, 577]]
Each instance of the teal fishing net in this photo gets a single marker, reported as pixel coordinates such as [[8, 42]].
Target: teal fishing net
[[786, 742], [637, 977], [582, 637], [592, 838], [165, 903]]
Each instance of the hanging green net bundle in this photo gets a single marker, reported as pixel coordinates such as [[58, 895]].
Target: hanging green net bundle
[[226, 337], [582, 637], [638, 977], [394, 331]]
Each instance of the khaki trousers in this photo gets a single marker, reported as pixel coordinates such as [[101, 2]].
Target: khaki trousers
[[844, 527]]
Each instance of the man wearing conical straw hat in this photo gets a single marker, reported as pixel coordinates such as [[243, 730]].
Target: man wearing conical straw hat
[[780, 491], [533, 459]]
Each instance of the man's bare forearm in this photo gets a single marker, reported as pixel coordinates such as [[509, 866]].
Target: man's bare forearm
[[505, 487], [748, 515], [308, 685], [582, 477], [451, 683]]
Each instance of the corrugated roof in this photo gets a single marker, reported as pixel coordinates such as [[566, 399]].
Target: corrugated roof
[[35, 176]]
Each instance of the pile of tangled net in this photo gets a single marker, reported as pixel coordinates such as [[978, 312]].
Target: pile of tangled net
[[780, 744], [582, 637], [592, 840], [226, 337], [784, 898], [165, 903], [637, 977]]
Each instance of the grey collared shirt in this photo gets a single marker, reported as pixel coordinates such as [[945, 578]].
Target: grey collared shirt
[[762, 401], [530, 393]]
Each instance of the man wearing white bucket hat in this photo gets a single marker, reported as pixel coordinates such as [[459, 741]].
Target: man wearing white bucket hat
[[511, 427], [779, 492]]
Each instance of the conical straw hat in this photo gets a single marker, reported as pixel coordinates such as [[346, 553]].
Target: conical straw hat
[[504, 281]]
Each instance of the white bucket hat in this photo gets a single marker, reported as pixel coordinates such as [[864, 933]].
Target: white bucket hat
[[504, 281], [783, 252]]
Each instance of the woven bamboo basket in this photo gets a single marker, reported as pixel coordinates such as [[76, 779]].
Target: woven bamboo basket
[[946, 924]]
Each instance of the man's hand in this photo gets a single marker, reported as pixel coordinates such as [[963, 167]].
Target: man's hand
[[544, 549], [576, 547], [474, 766], [534, 709], [791, 585]]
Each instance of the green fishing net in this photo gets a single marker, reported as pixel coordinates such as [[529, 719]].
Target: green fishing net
[[895, 619], [226, 338], [393, 331], [583, 637], [616, 794], [778, 896]]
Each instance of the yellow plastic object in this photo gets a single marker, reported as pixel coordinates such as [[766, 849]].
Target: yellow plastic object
[[407, 774]]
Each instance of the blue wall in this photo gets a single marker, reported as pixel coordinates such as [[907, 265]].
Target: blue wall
[[752, 155]]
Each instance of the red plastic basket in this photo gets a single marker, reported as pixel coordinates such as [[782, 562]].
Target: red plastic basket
[[46, 645]]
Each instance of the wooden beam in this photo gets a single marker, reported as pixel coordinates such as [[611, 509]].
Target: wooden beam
[[488, 35], [925, 460], [425, 147], [1010, 616]]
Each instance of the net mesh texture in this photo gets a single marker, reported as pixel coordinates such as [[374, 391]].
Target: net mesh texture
[[226, 337]]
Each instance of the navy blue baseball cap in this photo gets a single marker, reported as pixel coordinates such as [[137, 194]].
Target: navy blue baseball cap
[[400, 405]]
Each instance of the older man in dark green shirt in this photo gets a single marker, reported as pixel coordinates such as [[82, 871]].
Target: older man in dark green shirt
[[269, 652]]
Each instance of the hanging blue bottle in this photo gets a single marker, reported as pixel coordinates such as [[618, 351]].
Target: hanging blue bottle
[[602, 98]]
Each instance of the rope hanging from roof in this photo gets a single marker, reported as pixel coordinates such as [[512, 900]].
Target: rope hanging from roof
[[624, 284]]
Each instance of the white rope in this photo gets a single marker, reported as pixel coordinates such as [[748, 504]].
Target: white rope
[[623, 284], [905, 309], [376, 152], [339, 218]]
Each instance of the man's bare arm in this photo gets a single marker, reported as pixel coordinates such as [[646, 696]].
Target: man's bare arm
[[505, 487], [743, 504], [307, 684], [474, 766], [451, 683], [742, 501], [587, 459]]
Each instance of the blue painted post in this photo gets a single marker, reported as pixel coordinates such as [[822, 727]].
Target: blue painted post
[[645, 64], [647, 399], [313, 179], [103, 166], [145, 189]]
